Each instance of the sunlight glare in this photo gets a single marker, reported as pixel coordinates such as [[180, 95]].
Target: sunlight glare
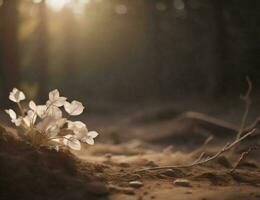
[[37, 1], [57, 5], [84, 1]]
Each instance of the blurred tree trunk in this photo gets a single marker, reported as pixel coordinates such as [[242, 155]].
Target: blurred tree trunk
[[1, 55], [155, 49], [10, 56], [42, 51], [70, 48], [221, 47]]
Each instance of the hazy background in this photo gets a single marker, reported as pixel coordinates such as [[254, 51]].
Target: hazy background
[[114, 51]]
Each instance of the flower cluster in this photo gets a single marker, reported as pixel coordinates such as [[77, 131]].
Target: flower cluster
[[44, 125]]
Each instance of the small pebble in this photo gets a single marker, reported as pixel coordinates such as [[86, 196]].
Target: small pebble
[[136, 184], [182, 182]]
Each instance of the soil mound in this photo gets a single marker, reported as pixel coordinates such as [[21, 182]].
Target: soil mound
[[27, 173]]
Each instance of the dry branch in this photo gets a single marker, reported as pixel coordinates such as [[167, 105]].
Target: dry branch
[[202, 161], [247, 100], [243, 156]]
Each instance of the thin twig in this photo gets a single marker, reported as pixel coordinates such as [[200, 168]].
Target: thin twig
[[247, 100], [199, 158], [253, 125], [201, 162], [243, 156]]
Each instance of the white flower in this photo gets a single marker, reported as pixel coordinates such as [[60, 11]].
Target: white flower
[[43, 125], [30, 118], [55, 99], [52, 130], [13, 117], [61, 122], [76, 126], [40, 110], [72, 142], [54, 112], [89, 138], [74, 108], [51, 126], [16, 95]]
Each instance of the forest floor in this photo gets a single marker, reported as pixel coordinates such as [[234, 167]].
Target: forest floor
[[211, 182], [148, 138]]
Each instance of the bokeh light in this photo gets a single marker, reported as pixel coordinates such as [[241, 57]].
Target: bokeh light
[[160, 6], [179, 4], [57, 5], [121, 9], [83, 1], [1, 2], [37, 1]]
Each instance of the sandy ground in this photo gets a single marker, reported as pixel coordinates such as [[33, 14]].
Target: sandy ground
[[158, 137], [212, 181]]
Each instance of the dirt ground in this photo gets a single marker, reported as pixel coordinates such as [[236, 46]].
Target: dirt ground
[[118, 168], [110, 169]]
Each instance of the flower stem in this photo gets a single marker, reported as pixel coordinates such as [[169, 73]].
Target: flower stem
[[20, 108]]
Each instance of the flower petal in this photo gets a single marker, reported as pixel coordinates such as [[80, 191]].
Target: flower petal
[[30, 118], [92, 134], [55, 99], [54, 112], [81, 133], [11, 113], [27, 121], [90, 141], [16, 95], [17, 122], [72, 142], [32, 105], [41, 111], [74, 108], [54, 94], [60, 122], [52, 130], [66, 139], [76, 126]]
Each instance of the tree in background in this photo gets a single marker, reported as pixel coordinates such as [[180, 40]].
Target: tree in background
[[41, 54], [70, 50], [1, 52], [9, 42]]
